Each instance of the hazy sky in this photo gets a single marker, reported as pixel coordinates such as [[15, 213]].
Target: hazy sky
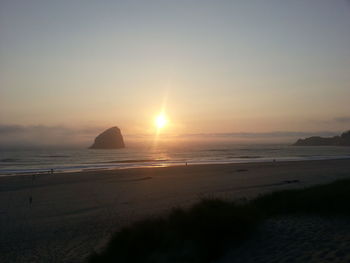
[[217, 66]]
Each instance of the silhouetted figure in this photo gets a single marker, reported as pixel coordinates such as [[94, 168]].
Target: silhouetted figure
[[186, 163], [30, 200], [51, 171]]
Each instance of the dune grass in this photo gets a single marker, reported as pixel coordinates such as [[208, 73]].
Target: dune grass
[[203, 232], [328, 199]]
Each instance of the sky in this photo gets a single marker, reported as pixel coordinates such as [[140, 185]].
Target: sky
[[211, 66]]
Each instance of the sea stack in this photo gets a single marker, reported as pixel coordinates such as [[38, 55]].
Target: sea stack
[[109, 139]]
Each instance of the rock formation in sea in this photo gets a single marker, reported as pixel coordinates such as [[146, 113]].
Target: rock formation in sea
[[342, 140], [109, 139]]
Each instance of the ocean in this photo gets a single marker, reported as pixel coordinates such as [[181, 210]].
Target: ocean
[[29, 161]]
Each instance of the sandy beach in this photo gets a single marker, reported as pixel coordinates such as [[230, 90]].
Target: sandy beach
[[72, 214]]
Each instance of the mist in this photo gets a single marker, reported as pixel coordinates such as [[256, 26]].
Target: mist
[[36, 136]]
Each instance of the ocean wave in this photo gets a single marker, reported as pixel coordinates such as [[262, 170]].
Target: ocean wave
[[244, 157], [259, 149], [217, 150], [249, 157], [138, 161], [9, 160], [56, 156]]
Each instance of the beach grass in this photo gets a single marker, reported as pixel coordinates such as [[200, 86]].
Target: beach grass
[[328, 199], [206, 230]]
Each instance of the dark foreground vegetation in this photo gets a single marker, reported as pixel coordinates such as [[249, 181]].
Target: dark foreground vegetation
[[204, 232]]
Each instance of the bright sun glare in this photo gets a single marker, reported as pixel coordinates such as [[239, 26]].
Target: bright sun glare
[[161, 121]]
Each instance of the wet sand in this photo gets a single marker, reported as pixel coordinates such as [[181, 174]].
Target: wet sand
[[73, 213]]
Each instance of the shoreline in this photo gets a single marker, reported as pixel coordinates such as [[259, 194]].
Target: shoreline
[[147, 165]]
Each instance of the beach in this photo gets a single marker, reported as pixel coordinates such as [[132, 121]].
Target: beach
[[72, 214]]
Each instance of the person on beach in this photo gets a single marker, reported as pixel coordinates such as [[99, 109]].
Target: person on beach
[[51, 171]]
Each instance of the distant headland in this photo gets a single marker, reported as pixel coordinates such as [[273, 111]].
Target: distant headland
[[342, 140], [109, 139]]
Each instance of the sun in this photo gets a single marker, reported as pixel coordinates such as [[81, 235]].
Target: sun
[[161, 121]]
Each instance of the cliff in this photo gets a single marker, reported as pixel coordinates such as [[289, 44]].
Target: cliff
[[342, 140]]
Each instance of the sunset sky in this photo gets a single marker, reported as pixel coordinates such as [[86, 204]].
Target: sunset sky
[[212, 66]]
